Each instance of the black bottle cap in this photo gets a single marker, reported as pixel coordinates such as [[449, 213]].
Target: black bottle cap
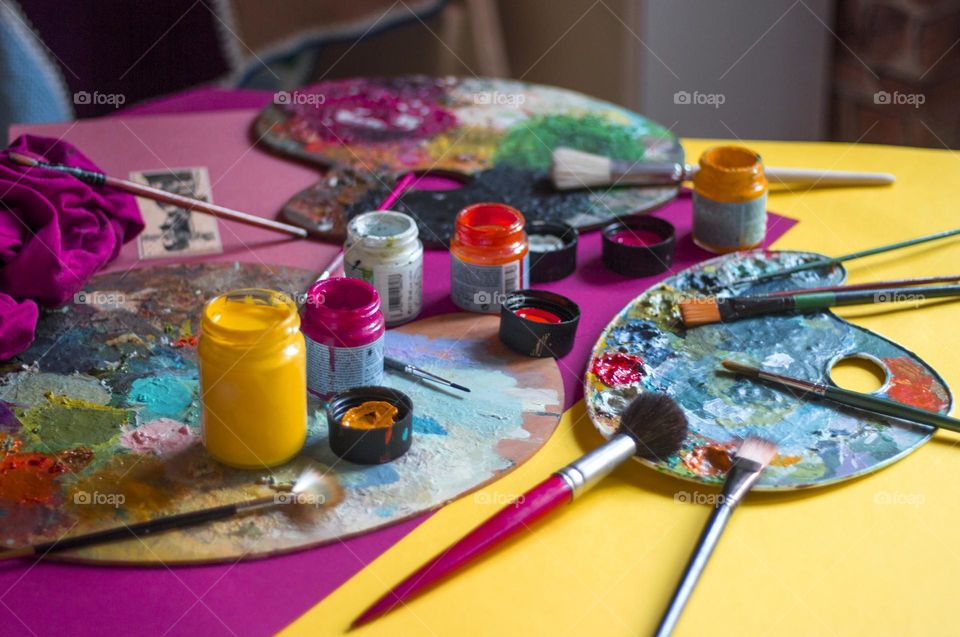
[[370, 446], [553, 250], [638, 247], [538, 323]]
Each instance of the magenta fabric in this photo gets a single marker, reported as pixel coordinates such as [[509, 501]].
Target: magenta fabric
[[262, 596], [55, 233]]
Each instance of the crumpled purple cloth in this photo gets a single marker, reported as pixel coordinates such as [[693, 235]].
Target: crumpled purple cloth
[[55, 233]]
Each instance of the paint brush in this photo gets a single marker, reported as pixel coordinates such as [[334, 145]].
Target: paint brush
[[400, 366], [828, 261], [891, 283], [865, 402], [311, 488], [703, 311], [401, 187], [573, 169], [148, 192], [652, 427], [752, 458]]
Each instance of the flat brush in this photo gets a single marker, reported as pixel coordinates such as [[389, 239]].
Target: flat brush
[[752, 458], [148, 192], [652, 426], [311, 488], [865, 402], [400, 366], [573, 169], [828, 261], [704, 311]]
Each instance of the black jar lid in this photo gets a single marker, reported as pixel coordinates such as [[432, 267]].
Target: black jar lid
[[639, 246], [370, 446], [553, 250], [538, 323]]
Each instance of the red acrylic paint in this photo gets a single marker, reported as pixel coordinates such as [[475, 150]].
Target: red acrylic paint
[[636, 237], [537, 315], [616, 368], [343, 327]]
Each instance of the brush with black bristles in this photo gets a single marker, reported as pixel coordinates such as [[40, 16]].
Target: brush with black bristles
[[752, 458], [573, 169], [311, 488], [725, 309], [652, 427]]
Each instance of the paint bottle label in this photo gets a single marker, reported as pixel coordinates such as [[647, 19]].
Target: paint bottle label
[[400, 286], [335, 369], [723, 226], [481, 288]]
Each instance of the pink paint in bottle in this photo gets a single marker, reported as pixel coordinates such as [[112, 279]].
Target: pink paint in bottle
[[343, 327]]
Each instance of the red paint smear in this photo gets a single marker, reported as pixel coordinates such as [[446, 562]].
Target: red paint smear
[[637, 237], [28, 478], [537, 315], [912, 385], [711, 459], [616, 368], [185, 341]]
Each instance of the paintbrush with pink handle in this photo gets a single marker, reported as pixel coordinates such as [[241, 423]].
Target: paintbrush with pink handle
[[653, 427]]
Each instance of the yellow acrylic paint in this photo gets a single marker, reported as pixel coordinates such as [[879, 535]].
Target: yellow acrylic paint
[[253, 378]]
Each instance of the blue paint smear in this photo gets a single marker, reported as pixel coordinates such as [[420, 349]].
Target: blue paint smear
[[163, 396], [371, 476], [427, 425]]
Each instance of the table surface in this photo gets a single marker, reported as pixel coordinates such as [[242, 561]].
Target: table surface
[[872, 555]]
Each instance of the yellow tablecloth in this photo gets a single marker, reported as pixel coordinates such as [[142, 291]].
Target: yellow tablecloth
[[871, 556]]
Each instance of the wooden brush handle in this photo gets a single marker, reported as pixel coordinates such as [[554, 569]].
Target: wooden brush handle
[[776, 175], [515, 517]]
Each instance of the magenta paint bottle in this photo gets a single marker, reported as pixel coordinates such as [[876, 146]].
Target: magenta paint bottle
[[343, 327]]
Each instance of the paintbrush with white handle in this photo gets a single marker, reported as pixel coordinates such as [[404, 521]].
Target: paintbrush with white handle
[[752, 458], [576, 169]]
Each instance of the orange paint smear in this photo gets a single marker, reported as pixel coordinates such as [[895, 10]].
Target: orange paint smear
[[785, 461], [710, 460], [29, 477], [372, 414], [912, 385]]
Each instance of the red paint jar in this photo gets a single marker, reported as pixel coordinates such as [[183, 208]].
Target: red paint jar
[[343, 327], [489, 256]]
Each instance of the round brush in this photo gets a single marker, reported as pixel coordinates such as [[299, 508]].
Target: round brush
[[651, 427], [576, 169]]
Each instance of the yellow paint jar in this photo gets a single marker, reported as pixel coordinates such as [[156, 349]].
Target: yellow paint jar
[[253, 378], [729, 200]]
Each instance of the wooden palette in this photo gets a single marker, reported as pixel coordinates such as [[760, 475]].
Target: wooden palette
[[496, 135], [99, 424]]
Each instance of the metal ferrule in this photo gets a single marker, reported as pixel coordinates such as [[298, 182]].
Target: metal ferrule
[[592, 467], [794, 383], [646, 174], [739, 481]]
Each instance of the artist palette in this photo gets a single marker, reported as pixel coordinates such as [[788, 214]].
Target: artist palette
[[646, 348], [100, 424], [493, 137]]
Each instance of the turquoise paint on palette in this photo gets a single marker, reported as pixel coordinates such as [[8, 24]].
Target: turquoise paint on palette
[[820, 443], [165, 396]]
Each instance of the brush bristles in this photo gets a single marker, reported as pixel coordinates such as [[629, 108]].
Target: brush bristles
[[739, 368], [756, 449], [657, 424], [23, 160], [577, 169], [700, 312], [321, 487]]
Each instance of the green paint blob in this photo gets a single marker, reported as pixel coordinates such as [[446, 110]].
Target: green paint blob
[[32, 388], [530, 144], [62, 425]]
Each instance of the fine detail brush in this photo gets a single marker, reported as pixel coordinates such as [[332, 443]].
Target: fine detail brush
[[848, 398], [828, 261], [401, 187], [400, 366], [652, 427], [149, 192], [577, 169], [914, 283], [311, 488], [708, 310], [752, 458]]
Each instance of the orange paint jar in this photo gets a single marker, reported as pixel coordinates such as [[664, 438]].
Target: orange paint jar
[[729, 200], [489, 256], [253, 378]]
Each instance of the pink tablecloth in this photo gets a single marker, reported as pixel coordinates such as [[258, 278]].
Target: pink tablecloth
[[260, 597]]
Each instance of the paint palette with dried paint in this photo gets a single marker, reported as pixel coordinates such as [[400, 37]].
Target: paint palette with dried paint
[[647, 348]]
